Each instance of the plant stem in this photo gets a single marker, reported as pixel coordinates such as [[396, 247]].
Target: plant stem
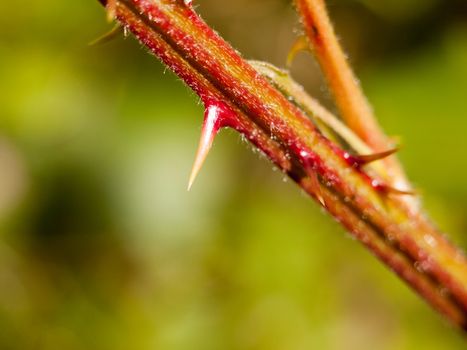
[[350, 99], [402, 238]]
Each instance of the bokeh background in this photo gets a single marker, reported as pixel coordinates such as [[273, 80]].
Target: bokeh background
[[102, 247]]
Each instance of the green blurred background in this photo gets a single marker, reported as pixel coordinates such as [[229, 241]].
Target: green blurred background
[[102, 247]]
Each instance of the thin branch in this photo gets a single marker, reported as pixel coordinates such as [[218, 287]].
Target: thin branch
[[244, 100], [350, 99]]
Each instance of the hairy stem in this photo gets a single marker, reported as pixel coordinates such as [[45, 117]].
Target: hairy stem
[[350, 99], [244, 100]]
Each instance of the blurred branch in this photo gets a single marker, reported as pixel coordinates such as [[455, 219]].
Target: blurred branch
[[236, 95], [350, 99]]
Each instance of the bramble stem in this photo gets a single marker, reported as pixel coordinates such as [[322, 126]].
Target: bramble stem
[[402, 238], [350, 99]]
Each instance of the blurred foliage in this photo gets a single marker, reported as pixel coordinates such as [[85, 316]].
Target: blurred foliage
[[101, 247]]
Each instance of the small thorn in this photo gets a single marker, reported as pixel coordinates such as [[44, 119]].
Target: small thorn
[[365, 159], [361, 160], [396, 191], [301, 44], [111, 10], [391, 190], [109, 36], [308, 161], [211, 125], [317, 189]]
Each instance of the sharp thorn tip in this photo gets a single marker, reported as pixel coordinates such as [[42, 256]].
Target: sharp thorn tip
[[317, 189], [361, 160], [387, 189], [210, 128]]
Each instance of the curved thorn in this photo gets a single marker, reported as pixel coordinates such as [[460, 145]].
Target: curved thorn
[[309, 165], [317, 189], [109, 36], [365, 159], [396, 191], [361, 160], [384, 188], [301, 44], [211, 126]]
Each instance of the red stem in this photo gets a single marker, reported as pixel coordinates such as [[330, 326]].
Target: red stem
[[350, 99], [402, 238]]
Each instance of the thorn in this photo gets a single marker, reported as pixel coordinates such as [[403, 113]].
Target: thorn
[[316, 186], [211, 125], [111, 10], [396, 191], [361, 160], [307, 160], [109, 36], [365, 159], [391, 190], [301, 44]]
